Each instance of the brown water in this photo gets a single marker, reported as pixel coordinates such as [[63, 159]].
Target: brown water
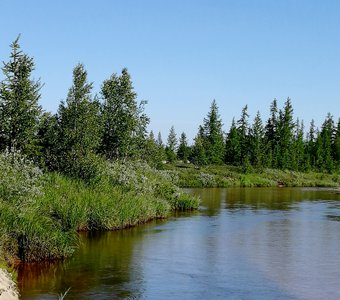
[[249, 243]]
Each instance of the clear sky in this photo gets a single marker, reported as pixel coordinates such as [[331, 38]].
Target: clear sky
[[182, 54]]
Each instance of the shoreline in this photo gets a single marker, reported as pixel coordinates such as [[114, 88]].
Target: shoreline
[[8, 288]]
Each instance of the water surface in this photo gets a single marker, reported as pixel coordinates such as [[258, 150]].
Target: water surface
[[244, 243]]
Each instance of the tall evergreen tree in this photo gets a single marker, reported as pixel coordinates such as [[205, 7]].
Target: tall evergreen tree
[[19, 108], [298, 148], [243, 133], [324, 159], [159, 139], [183, 151], [271, 135], [233, 146], [214, 135], [257, 141], [311, 146], [198, 153], [171, 146], [285, 134]]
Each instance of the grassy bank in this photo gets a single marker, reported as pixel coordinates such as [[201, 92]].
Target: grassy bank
[[230, 176], [41, 213]]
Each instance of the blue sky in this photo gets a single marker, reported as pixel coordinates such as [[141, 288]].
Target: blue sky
[[183, 54]]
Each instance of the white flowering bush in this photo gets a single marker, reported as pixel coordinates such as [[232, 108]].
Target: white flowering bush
[[19, 178], [140, 178], [207, 180]]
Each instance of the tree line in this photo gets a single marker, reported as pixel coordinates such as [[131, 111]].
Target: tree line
[[112, 125], [280, 143]]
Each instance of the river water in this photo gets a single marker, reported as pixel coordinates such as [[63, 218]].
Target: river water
[[243, 243]]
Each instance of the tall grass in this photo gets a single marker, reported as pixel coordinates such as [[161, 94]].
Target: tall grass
[[40, 214]]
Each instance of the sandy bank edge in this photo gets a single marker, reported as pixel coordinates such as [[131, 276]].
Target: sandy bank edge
[[8, 289]]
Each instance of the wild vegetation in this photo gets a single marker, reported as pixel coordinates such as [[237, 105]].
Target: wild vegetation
[[83, 168], [93, 165]]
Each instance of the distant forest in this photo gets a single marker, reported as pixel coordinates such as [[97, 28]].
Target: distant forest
[[113, 126]]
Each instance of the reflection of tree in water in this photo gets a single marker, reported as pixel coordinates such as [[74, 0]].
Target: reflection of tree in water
[[101, 267], [273, 198], [239, 199]]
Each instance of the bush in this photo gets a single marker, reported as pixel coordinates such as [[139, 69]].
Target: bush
[[89, 167], [19, 178]]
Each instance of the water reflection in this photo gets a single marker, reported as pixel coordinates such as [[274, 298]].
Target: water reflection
[[243, 244]]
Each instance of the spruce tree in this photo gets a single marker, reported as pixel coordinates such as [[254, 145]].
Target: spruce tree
[[198, 153], [159, 140], [19, 108], [214, 135], [285, 134], [271, 136], [324, 159], [256, 141], [183, 151], [171, 146], [298, 148], [243, 134], [311, 146], [233, 146]]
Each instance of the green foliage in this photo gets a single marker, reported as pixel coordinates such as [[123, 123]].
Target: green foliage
[[233, 146], [19, 179], [213, 135], [227, 176], [171, 146], [25, 232], [198, 153], [153, 152], [19, 108], [124, 123], [79, 128], [139, 177], [285, 133], [336, 145], [243, 134], [257, 148], [271, 135], [40, 214], [324, 145], [183, 151]]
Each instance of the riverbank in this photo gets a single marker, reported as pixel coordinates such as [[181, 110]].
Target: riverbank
[[8, 290], [41, 213], [229, 176]]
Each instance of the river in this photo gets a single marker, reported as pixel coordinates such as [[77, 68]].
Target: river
[[243, 243]]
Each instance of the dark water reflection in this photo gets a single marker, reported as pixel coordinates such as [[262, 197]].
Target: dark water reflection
[[243, 244]]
